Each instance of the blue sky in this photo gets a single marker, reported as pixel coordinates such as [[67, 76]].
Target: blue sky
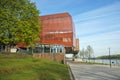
[[97, 22]]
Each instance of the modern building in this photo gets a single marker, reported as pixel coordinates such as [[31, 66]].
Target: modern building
[[59, 29]]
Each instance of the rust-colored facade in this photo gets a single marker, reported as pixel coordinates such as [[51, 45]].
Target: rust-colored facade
[[58, 29]]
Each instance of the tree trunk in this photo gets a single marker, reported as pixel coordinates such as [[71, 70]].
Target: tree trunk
[[8, 48]]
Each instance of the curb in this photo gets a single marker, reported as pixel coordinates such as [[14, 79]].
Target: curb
[[72, 77]]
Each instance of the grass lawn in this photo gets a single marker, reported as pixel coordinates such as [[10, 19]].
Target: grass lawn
[[25, 67]]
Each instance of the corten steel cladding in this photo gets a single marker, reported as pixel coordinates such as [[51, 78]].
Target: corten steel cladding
[[57, 29]]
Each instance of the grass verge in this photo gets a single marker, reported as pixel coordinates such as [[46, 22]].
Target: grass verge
[[25, 67], [92, 63]]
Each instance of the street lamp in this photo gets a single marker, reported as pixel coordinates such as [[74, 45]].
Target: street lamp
[[109, 57]]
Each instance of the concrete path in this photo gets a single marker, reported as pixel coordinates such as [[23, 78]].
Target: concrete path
[[94, 72]]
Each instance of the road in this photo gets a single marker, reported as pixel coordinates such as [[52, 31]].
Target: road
[[94, 72]]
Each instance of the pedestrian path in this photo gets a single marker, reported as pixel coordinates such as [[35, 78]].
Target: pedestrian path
[[94, 72]]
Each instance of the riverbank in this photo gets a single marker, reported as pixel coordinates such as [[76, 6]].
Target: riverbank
[[113, 62]]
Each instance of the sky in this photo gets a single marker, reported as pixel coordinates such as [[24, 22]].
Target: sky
[[97, 22]]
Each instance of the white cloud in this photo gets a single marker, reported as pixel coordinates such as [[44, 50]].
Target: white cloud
[[100, 28], [101, 42], [98, 13]]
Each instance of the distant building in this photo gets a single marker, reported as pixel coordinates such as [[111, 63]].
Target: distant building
[[77, 45]]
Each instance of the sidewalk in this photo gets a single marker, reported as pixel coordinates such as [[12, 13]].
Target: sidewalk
[[93, 72]]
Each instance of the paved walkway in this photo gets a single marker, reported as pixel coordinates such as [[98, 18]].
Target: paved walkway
[[94, 72]]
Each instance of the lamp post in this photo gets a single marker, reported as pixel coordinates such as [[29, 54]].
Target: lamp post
[[109, 57]]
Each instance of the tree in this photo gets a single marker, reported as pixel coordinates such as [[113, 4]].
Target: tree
[[19, 22], [82, 53], [90, 51]]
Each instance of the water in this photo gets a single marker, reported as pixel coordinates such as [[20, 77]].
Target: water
[[105, 61]]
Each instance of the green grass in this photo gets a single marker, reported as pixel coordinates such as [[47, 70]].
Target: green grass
[[25, 67], [92, 63]]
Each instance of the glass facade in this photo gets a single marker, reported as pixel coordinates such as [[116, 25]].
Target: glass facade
[[47, 48], [57, 29]]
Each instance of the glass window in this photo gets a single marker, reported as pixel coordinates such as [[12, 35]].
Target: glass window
[[38, 49], [49, 49], [46, 48]]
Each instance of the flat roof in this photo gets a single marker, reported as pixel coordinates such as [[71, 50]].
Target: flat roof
[[55, 16]]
